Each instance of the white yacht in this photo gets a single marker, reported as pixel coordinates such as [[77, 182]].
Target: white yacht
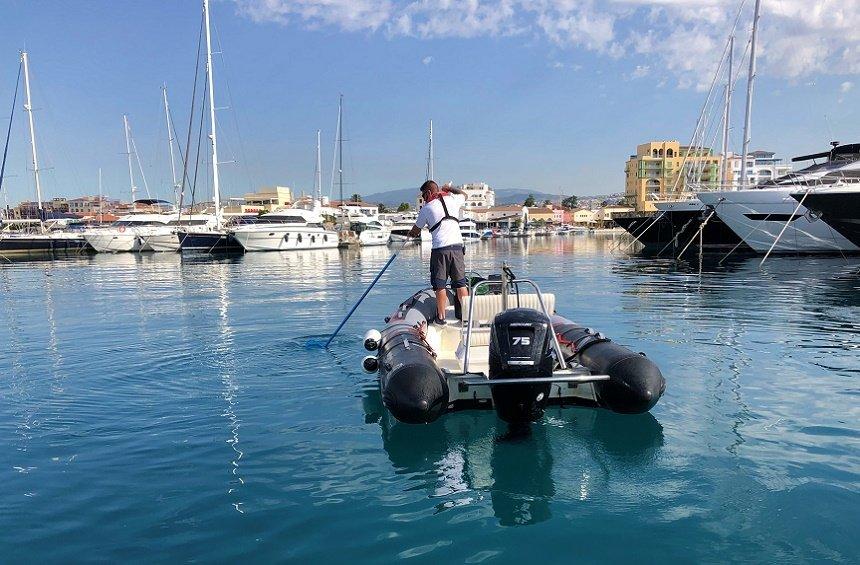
[[469, 231], [400, 232], [767, 216], [285, 230], [370, 231], [127, 233]]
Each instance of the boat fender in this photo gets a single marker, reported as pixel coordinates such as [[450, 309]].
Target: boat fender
[[371, 340], [370, 364]]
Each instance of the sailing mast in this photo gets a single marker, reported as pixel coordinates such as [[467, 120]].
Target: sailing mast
[[727, 111], [212, 135], [101, 200], [318, 175], [430, 157], [28, 106], [128, 153], [340, 156], [750, 80], [170, 141]]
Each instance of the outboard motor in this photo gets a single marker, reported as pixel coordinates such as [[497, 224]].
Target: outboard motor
[[520, 348]]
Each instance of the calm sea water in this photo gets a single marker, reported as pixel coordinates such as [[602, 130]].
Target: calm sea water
[[165, 408]]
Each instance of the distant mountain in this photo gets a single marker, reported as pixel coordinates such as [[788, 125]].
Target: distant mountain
[[392, 198]]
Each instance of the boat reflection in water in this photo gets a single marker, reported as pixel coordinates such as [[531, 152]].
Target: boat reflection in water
[[524, 469]]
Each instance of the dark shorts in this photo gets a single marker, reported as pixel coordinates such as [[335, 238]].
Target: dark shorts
[[448, 263]]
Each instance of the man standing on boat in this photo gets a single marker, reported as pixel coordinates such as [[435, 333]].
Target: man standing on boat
[[441, 214]]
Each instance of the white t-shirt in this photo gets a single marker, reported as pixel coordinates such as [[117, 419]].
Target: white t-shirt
[[448, 232]]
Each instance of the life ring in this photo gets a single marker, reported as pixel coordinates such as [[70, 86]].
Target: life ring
[[121, 229]]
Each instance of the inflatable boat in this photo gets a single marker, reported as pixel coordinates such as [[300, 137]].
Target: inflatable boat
[[511, 352]]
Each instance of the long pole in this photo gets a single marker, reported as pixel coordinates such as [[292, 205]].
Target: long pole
[[727, 114], [212, 135], [378, 276], [28, 106], [750, 81], [128, 154], [170, 141]]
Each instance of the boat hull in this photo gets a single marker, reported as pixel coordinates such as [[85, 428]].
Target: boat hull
[[841, 210], [767, 218], [277, 238], [673, 229], [369, 238], [14, 244], [208, 242], [161, 243], [113, 241]]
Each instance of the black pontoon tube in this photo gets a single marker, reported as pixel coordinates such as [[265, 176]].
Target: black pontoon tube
[[413, 387], [635, 384]]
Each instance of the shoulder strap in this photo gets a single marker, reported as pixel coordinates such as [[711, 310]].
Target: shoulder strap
[[447, 216]]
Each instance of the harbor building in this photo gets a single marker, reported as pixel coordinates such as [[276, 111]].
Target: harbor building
[[762, 166], [583, 216], [90, 205], [478, 195], [540, 214], [267, 199], [652, 174]]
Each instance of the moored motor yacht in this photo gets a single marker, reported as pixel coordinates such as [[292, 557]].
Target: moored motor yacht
[[469, 231], [126, 234], [400, 232], [768, 218], [369, 231], [285, 230]]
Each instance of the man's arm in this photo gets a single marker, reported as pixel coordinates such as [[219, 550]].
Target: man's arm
[[420, 222], [454, 190]]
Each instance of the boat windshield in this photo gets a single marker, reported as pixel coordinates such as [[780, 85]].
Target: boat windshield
[[187, 222]]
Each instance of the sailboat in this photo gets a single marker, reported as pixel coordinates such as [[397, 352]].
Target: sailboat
[[215, 239], [148, 216], [50, 236], [164, 238]]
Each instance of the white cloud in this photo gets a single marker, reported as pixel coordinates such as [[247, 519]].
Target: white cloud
[[846, 86], [427, 60], [798, 38]]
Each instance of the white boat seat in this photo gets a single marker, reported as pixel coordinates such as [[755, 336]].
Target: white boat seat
[[488, 305]]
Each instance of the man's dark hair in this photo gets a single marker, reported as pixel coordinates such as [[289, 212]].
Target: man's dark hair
[[429, 185]]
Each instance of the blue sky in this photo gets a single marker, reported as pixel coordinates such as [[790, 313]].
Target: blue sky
[[549, 94]]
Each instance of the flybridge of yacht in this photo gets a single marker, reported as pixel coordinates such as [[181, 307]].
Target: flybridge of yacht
[[850, 152]]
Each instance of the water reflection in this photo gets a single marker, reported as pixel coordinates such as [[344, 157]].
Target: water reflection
[[464, 455]]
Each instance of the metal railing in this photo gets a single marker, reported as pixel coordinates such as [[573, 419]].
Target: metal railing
[[506, 281]]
